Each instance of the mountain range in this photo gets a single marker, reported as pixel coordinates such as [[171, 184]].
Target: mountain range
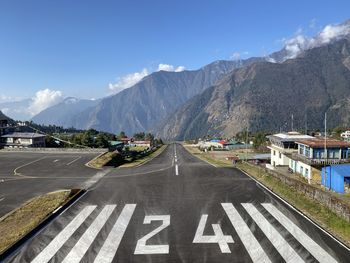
[[308, 77]]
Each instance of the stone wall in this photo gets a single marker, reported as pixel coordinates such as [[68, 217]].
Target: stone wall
[[337, 205]]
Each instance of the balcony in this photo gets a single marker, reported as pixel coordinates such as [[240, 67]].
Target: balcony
[[317, 162]]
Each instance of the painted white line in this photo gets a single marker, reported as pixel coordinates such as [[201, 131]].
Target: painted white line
[[111, 244], [176, 169], [2, 199], [253, 247], [55, 161], [318, 252], [51, 249], [282, 246], [80, 248], [24, 165], [74, 160], [296, 210], [175, 159]]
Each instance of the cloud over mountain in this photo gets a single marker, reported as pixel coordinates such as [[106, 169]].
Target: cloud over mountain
[[44, 99]]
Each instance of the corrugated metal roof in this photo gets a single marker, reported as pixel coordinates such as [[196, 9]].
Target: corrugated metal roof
[[27, 135], [317, 142]]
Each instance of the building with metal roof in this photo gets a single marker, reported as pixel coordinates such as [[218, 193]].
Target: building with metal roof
[[23, 139], [336, 177]]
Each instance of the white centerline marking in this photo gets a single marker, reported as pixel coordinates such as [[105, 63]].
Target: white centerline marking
[[55, 245], [253, 247], [80, 248], [55, 161], [318, 252], [282, 246], [111, 244], [2, 199], [74, 160], [176, 169]]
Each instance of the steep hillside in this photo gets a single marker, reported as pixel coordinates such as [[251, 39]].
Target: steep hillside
[[62, 113], [262, 96], [147, 103]]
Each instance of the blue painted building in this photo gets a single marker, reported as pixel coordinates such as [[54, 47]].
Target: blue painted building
[[337, 177]]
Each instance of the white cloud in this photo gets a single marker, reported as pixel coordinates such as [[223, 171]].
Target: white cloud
[[236, 56], [331, 32], [167, 67], [295, 45], [44, 99], [131, 79], [4, 98], [127, 81]]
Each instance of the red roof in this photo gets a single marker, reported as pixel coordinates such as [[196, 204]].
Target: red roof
[[319, 142]]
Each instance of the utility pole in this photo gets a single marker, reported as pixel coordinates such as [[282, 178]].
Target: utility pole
[[325, 149], [292, 122], [246, 146]]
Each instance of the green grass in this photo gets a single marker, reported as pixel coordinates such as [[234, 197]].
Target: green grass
[[102, 160], [144, 159], [321, 214], [206, 156], [21, 221]]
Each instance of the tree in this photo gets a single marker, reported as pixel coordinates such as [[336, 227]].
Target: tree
[[259, 140], [140, 136]]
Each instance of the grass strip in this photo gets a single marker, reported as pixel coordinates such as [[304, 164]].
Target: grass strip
[[144, 159], [318, 212], [22, 220], [207, 157], [102, 160]]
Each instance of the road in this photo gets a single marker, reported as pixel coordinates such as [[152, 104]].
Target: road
[[24, 175], [177, 208]]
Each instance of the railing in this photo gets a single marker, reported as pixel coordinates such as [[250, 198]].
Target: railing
[[315, 161]]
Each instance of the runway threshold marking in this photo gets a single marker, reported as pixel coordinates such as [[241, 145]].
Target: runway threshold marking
[[319, 253], [63, 236], [264, 215]]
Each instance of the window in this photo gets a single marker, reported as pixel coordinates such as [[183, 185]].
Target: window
[[301, 170], [274, 152], [280, 155], [306, 172]]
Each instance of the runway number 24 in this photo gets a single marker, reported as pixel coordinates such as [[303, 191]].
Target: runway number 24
[[218, 237]]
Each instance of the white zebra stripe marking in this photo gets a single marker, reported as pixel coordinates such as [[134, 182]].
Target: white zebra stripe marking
[[318, 252], [80, 248], [111, 244], [55, 245], [286, 251], [253, 247]]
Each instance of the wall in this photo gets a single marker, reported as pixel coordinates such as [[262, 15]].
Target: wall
[[334, 203]]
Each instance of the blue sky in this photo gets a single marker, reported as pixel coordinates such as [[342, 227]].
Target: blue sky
[[79, 47]]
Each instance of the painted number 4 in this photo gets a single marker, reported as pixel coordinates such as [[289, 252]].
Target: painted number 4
[[218, 237]]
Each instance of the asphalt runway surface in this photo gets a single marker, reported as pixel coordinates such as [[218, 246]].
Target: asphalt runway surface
[[184, 211], [24, 175]]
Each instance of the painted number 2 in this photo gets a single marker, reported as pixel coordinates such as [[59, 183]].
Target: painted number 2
[[142, 248], [218, 237]]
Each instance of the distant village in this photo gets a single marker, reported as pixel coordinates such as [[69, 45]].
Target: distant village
[[319, 160]]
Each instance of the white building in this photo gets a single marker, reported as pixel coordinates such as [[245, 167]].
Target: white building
[[345, 135], [311, 154], [283, 144], [23, 139]]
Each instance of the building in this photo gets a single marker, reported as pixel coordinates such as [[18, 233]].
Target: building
[[337, 178], [345, 135], [23, 139], [312, 155], [115, 146], [4, 124], [283, 144], [141, 143]]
